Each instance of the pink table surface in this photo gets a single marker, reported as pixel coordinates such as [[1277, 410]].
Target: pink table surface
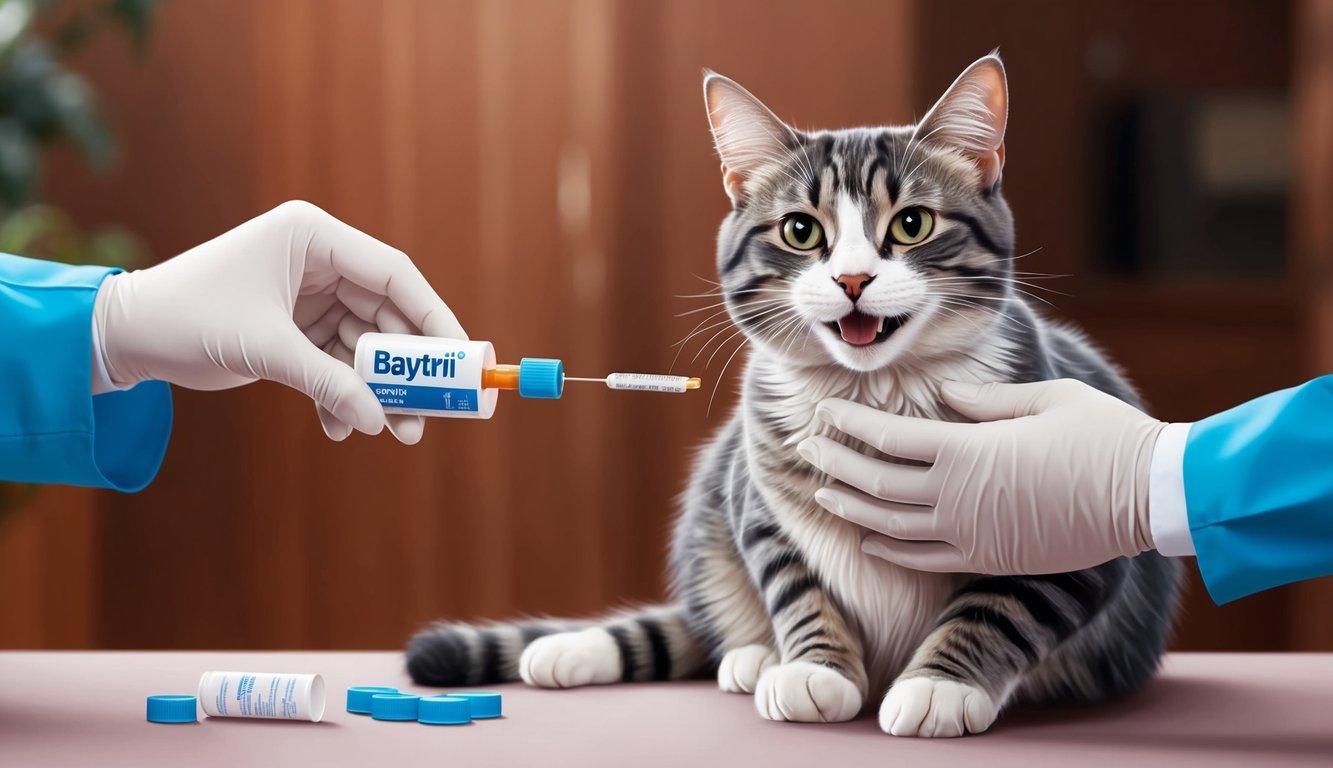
[[59, 709]]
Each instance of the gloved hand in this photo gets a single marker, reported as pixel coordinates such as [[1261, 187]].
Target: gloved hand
[[1054, 479], [283, 297]]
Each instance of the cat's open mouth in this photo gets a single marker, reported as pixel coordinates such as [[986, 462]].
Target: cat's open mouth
[[860, 329]]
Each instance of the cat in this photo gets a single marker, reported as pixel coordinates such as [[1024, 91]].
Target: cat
[[868, 264]]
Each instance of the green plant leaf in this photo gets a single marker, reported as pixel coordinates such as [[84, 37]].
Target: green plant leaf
[[46, 232], [136, 16], [15, 19], [116, 247], [77, 117], [18, 163]]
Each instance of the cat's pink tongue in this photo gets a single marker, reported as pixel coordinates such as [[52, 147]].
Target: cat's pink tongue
[[858, 329]]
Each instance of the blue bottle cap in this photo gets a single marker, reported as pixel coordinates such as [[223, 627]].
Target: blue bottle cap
[[394, 706], [173, 709], [358, 697], [485, 704], [541, 377], [445, 710]]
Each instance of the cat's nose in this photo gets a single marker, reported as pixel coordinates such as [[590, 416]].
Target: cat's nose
[[853, 285]]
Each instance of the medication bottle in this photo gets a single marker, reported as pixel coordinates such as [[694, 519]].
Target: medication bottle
[[262, 694], [431, 376]]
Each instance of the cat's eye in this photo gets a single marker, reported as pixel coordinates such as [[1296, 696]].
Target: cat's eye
[[802, 232], [911, 225]]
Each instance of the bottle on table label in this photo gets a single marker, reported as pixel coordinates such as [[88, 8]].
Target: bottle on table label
[[276, 695]]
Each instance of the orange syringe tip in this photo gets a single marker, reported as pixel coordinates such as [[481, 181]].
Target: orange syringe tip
[[693, 383], [500, 377]]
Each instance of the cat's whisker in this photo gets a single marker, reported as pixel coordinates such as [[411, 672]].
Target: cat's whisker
[[717, 304], [945, 307], [1035, 297], [758, 330], [912, 173], [798, 324], [1009, 282], [972, 302], [1004, 298], [711, 316], [773, 319], [719, 293], [787, 327], [807, 166], [722, 294], [744, 340], [788, 330], [697, 330], [793, 154], [993, 279], [705, 308], [779, 161], [748, 307], [739, 329], [912, 146], [723, 374]]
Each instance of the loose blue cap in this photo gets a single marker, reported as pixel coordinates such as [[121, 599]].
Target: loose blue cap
[[445, 710], [394, 706], [541, 377], [485, 704], [358, 697], [173, 709]]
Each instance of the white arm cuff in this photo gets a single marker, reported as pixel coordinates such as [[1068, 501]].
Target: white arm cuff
[[101, 377], [1167, 516]]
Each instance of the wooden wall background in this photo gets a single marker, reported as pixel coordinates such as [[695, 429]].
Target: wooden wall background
[[548, 166]]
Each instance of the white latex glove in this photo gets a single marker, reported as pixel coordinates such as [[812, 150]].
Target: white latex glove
[[282, 297], [1054, 479]]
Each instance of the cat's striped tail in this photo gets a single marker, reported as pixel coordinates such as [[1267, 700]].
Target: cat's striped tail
[[650, 643]]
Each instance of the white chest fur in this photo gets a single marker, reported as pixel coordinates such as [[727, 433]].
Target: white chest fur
[[892, 607]]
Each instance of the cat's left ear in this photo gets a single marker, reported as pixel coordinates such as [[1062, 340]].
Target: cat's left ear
[[971, 116]]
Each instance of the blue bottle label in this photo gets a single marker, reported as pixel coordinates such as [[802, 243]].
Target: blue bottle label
[[426, 398]]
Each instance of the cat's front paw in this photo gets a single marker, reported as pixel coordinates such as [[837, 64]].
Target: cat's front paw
[[923, 706], [741, 667], [571, 659], [802, 692]]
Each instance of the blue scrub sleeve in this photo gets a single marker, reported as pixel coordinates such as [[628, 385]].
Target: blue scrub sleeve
[[52, 428], [1259, 491]]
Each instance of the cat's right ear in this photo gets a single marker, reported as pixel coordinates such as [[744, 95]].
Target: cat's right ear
[[747, 134]]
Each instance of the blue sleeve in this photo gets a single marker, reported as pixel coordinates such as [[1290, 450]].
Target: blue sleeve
[[1259, 491], [52, 429]]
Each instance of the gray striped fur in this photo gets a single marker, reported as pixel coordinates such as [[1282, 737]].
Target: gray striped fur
[[756, 564]]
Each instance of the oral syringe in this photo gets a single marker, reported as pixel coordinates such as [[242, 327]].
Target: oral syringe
[[448, 377]]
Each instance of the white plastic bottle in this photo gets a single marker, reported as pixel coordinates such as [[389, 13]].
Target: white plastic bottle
[[262, 694], [448, 377]]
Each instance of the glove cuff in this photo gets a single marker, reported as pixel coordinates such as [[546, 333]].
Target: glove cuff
[[108, 321], [101, 378], [1141, 538]]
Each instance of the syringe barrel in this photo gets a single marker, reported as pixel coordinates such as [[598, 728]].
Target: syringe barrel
[[426, 375], [647, 382]]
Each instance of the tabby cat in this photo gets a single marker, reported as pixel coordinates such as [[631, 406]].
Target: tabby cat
[[867, 264]]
